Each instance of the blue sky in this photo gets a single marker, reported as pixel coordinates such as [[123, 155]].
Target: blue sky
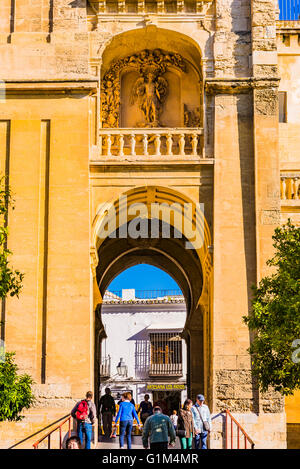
[[143, 277]]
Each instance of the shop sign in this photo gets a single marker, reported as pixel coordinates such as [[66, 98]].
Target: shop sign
[[165, 387]]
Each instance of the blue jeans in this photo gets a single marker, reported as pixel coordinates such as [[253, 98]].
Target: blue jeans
[[86, 428], [201, 437], [125, 427]]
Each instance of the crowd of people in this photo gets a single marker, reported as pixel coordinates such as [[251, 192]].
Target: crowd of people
[[191, 423]]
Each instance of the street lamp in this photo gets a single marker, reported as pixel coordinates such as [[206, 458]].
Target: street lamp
[[122, 369]]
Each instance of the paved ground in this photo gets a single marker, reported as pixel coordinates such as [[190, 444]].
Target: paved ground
[[113, 443]]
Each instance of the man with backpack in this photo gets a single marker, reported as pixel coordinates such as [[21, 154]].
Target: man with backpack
[[85, 414], [107, 408]]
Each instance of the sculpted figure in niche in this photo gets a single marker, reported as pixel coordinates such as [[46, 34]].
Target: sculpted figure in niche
[[150, 91]]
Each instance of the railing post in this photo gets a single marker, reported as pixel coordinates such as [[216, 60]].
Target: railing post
[[157, 145], [145, 144], [283, 188], [181, 145], [296, 188], [60, 439], [194, 144], [108, 142], [49, 442], [238, 437], [169, 144], [121, 143], [132, 144]]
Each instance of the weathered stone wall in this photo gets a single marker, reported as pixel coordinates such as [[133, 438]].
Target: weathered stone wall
[[232, 39]]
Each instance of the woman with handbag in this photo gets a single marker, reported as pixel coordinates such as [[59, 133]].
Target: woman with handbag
[[145, 408], [185, 425]]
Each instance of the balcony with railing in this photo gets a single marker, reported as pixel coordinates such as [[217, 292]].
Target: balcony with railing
[[290, 188], [105, 367], [132, 294], [166, 354], [174, 143]]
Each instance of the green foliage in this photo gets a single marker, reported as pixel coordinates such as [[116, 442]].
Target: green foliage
[[275, 316], [10, 280], [15, 390]]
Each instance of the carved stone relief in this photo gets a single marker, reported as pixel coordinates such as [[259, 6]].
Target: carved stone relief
[[192, 117], [149, 91]]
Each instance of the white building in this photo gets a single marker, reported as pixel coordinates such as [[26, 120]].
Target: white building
[[144, 351]]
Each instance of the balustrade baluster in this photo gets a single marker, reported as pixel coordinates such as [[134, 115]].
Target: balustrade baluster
[[121, 143], [121, 6], [102, 6], [180, 6], [181, 145], [141, 6], [289, 188], [194, 144], [108, 143], [199, 6], [132, 145], [296, 188], [169, 144], [145, 144], [160, 6], [157, 143], [283, 188]]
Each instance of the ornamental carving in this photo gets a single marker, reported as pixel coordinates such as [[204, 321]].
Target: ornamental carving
[[149, 91]]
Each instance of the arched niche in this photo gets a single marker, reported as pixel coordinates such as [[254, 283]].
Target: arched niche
[[159, 86]]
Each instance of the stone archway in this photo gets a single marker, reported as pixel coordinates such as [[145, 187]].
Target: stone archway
[[190, 268]]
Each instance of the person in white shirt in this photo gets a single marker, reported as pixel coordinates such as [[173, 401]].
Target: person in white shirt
[[174, 418], [202, 422]]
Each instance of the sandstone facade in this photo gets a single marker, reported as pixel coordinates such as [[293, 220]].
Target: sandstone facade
[[215, 138]]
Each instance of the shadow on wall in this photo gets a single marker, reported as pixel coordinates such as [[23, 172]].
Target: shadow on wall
[[221, 419], [142, 353]]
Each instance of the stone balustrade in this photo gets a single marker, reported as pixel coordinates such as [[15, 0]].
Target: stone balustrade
[[158, 142], [159, 7], [290, 186]]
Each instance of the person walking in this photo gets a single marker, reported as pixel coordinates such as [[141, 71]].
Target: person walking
[[174, 418], [85, 414], [202, 422], [185, 425], [126, 414], [158, 427], [107, 407], [145, 408]]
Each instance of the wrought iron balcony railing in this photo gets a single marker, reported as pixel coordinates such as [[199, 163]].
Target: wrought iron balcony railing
[[105, 367], [165, 369], [158, 142], [145, 294]]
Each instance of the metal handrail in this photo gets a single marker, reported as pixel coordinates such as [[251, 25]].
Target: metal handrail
[[58, 427], [239, 429]]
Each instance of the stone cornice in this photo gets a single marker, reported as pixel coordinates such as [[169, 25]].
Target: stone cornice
[[288, 27], [85, 85], [238, 85]]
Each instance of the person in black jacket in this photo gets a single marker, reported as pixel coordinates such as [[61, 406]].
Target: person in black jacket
[[145, 408], [107, 408]]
